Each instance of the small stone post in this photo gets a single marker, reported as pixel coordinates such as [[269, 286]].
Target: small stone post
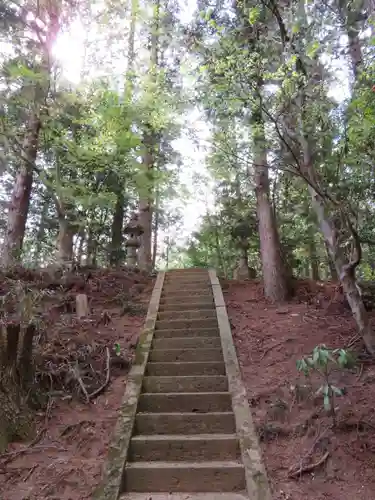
[[133, 230]]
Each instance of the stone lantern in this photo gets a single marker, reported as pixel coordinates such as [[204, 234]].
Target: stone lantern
[[133, 230]]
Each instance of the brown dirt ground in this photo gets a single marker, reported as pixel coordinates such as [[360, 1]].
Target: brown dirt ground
[[269, 340], [66, 462]]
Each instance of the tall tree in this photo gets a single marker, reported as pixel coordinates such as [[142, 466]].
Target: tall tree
[[40, 23]]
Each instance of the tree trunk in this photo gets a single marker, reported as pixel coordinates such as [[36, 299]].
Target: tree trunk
[[92, 247], [273, 267], [65, 241], [82, 237], [149, 143], [20, 199], [41, 231], [116, 252], [351, 16], [16, 375], [328, 229], [331, 264], [314, 260], [145, 220], [155, 238]]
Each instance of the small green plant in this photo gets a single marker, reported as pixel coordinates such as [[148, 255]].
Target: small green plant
[[117, 349], [323, 361]]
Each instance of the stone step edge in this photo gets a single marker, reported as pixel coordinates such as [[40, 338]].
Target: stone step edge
[[184, 377], [213, 464], [257, 485], [184, 337], [184, 496], [186, 437]]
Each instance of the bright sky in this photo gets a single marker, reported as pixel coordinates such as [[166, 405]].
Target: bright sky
[[70, 52]]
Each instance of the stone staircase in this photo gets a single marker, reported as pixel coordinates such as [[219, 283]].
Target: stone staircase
[[186, 441]]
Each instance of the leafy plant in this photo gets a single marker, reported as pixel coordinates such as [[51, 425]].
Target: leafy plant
[[117, 349], [323, 361]]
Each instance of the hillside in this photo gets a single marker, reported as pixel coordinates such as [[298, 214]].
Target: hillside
[[65, 458], [294, 429]]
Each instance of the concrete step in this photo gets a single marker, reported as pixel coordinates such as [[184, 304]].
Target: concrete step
[[173, 355], [186, 342], [187, 305], [176, 448], [184, 476], [198, 274], [194, 383], [186, 288], [190, 402], [186, 324], [199, 279], [186, 315], [185, 423], [189, 296], [181, 332], [184, 496], [187, 368]]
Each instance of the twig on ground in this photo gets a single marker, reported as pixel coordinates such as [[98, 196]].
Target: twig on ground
[[269, 349], [353, 340], [29, 473], [294, 473], [75, 427], [108, 376], [360, 372], [12, 455], [94, 394], [81, 384]]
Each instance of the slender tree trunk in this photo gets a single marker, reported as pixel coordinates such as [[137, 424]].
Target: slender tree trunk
[[117, 238], [331, 264], [329, 232], [149, 143], [81, 237], [117, 231], [156, 230], [41, 230], [92, 247], [20, 199], [65, 241], [145, 220], [273, 267], [314, 260], [351, 16]]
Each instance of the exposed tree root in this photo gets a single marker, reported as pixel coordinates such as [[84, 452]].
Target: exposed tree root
[[297, 471]]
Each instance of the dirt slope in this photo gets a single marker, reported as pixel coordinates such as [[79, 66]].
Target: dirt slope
[[65, 460], [269, 339]]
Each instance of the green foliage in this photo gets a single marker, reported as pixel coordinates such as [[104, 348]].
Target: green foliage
[[323, 361]]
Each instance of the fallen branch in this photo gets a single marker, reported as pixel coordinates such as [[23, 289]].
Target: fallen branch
[[108, 376], [294, 473], [269, 349], [29, 473], [81, 384], [353, 340], [92, 395]]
